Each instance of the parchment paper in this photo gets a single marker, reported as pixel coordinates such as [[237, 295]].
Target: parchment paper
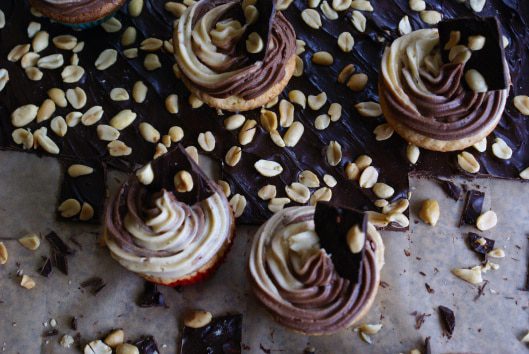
[[492, 324]]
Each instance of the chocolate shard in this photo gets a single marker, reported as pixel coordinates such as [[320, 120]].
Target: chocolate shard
[[472, 208], [222, 335], [59, 261], [151, 297], [147, 345], [427, 346], [332, 223], [450, 188], [449, 320], [58, 244], [46, 268], [490, 59], [480, 244], [263, 25]]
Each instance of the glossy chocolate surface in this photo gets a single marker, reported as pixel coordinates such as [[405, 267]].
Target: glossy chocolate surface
[[354, 133]]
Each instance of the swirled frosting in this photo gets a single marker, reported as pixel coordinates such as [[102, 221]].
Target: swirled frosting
[[428, 96], [208, 51], [162, 234], [297, 281]]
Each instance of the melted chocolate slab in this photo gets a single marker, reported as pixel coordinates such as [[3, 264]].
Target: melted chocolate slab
[[353, 132], [90, 189], [221, 336], [332, 223], [490, 60]]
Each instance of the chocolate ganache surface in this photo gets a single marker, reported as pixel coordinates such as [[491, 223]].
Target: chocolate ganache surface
[[353, 132], [297, 280], [214, 61]]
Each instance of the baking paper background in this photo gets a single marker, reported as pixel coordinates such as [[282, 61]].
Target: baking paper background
[[492, 324]]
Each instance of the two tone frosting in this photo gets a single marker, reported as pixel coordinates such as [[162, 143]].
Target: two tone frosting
[[428, 96], [209, 55], [153, 231], [297, 280]]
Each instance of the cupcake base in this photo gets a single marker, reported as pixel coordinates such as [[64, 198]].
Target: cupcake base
[[238, 104], [428, 143]]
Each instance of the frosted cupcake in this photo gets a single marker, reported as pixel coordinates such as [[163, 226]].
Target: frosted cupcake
[[169, 223], [79, 14], [299, 281], [235, 55]]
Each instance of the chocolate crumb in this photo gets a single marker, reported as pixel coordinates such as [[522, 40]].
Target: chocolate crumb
[[449, 320], [151, 297], [383, 284], [429, 288], [46, 268], [73, 323], [95, 284], [420, 318], [407, 253], [422, 273], [147, 345], [481, 290], [51, 333]]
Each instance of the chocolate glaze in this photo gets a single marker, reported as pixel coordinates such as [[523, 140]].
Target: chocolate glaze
[[353, 132]]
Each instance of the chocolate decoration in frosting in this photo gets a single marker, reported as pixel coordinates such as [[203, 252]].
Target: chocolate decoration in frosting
[[353, 132], [332, 223], [489, 61]]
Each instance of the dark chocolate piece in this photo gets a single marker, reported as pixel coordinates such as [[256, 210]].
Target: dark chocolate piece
[[95, 285], [332, 223], [490, 60], [46, 268], [448, 319], [59, 261], [476, 246], [147, 345], [429, 289], [352, 132], [221, 336], [58, 244], [472, 208], [73, 323], [450, 188], [89, 188], [151, 297], [427, 346]]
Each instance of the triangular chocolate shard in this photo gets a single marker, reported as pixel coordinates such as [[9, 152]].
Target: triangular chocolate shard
[[332, 224]]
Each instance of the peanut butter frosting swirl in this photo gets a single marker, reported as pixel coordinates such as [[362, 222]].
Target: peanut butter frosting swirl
[[209, 50], [159, 233], [297, 281], [428, 96]]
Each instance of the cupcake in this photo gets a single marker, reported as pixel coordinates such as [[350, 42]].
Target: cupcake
[[426, 95], [298, 280], [78, 14], [169, 223], [235, 58]]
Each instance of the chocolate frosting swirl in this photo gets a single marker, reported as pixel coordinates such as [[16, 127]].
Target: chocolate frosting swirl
[[428, 96], [210, 54], [157, 232], [75, 8], [297, 281]]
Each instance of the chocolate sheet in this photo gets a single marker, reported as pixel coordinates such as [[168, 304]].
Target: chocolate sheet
[[492, 324], [353, 132]]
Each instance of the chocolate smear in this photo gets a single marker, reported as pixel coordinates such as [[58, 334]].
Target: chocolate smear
[[450, 188], [472, 208], [221, 336], [449, 320], [151, 297], [489, 60], [58, 244], [480, 244], [332, 223], [46, 268], [147, 345]]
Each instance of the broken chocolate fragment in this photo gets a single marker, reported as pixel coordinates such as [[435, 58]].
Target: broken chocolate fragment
[[449, 320], [332, 224], [480, 244], [58, 244], [427, 346], [450, 188], [46, 268], [59, 261], [221, 336], [489, 60], [151, 297], [73, 323], [472, 208], [147, 345]]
